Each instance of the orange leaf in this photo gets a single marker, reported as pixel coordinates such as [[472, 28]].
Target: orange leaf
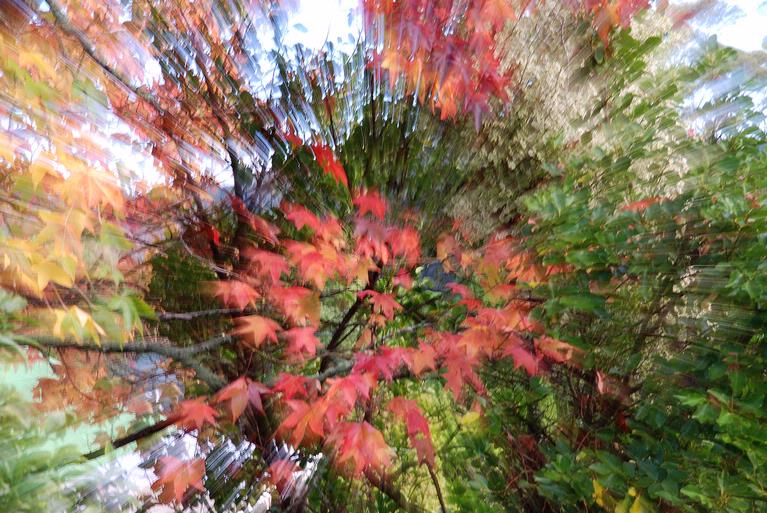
[[460, 370], [523, 358], [175, 477], [299, 304], [235, 294], [384, 304], [194, 413], [384, 364], [422, 358], [301, 216], [265, 229], [641, 205], [290, 385], [239, 393], [267, 263], [362, 445], [301, 342], [560, 352], [303, 417], [139, 406], [406, 243], [255, 329]]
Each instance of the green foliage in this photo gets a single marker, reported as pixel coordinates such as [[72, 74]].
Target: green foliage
[[31, 474], [663, 233]]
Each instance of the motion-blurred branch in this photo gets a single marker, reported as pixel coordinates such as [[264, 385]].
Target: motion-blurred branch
[[183, 355]]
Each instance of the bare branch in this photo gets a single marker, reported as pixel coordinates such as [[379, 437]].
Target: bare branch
[[183, 355], [188, 316], [437, 488]]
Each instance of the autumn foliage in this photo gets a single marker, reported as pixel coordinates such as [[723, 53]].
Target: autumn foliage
[[316, 313]]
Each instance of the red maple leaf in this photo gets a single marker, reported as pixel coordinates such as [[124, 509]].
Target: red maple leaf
[[241, 392], [343, 394], [422, 358], [254, 329], [211, 232], [175, 477], [316, 264], [294, 140], [372, 202], [301, 216], [467, 296], [460, 290], [302, 418], [290, 386], [480, 340], [265, 229], [330, 230], [417, 426], [384, 304], [405, 243], [299, 304], [329, 164], [384, 364], [267, 264], [194, 413], [460, 370], [235, 294], [349, 388], [501, 293], [371, 239], [301, 342], [362, 445], [523, 358]]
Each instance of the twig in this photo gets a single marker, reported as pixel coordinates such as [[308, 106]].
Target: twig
[[437, 488]]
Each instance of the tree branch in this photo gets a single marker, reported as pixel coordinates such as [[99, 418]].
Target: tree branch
[[133, 437], [434, 480], [188, 316], [335, 339], [183, 355]]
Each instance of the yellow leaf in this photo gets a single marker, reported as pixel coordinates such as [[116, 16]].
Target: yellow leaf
[[37, 172], [76, 323], [599, 493], [623, 506], [64, 229], [640, 506], [49, 270], [469, 419]]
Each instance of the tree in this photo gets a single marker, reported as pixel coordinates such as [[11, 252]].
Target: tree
[[632, 209], [312, 313]]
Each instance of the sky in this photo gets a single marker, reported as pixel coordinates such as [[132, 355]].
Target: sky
[[745, 31]]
